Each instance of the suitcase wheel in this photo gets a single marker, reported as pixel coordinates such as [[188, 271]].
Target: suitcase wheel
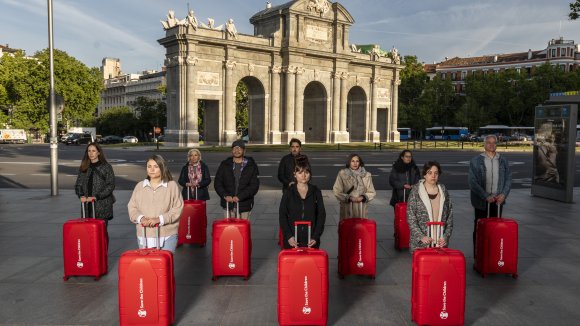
[[515, 276], [97, 278], [372, 277], [214, 278], [202, 245], [65, 278], [340, 276]]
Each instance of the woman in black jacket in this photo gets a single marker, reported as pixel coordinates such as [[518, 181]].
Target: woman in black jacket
[[302, 202], [404, 175], [194, 174], [95, 183]]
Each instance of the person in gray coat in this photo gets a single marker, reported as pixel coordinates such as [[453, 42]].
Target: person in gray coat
[[404, 175], [429, 201]]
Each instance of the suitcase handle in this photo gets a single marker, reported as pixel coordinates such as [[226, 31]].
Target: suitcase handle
[[228, 210], [157, 227], [498, 209], [84, 212], [352, 209], [308, 223], [429, 224], [189, 188]]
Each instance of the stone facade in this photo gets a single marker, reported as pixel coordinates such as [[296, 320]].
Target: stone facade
[[304, 79]]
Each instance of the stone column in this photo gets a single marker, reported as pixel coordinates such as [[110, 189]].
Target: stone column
[[191, 126], [229, 132], [395, 136], [275, 134], [290, 102], [299, 106], [343, 99], [336, 134], [374, 135]]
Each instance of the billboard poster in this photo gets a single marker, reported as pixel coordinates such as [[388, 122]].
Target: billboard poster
[[551, 146]]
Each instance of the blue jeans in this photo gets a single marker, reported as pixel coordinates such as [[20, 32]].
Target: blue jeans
[[169, 244]]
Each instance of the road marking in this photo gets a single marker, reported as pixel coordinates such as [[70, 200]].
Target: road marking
[[6, 174], [41, 174]]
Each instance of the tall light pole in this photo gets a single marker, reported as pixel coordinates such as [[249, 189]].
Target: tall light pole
[[52, 112]]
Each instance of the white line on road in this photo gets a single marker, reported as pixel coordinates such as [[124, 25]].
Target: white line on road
[[6, 174]]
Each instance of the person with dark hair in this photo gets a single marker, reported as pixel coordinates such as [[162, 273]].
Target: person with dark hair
[[354, 184], [404, 175], [194, 177], [236, 181], [156, 201], [286, 166], [429, 201], [302, 202], [489, 181], [96, 182]]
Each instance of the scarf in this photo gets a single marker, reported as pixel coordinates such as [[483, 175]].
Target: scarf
[[194, 173]]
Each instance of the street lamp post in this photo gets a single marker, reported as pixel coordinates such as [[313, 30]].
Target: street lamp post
[[52, 112]]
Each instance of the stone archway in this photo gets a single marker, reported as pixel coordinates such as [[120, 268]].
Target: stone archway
[[315, 104], [356, 112], [256, 102]]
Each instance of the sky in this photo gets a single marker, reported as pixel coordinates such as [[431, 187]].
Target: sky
[[429, 29]]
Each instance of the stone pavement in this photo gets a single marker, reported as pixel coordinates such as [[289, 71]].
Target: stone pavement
[[32, 291]]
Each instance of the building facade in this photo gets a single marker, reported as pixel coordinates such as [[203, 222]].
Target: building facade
[[304, 79], [564, 54], [124, 89]]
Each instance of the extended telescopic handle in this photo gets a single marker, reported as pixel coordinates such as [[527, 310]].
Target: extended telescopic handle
[[498, 209], [228, 210], [189, 188], [157, 226], [360, 210], [308, 223], [84, 212], [429, 224]]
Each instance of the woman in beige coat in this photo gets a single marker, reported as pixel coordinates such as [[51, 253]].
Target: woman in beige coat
[[354, 185]]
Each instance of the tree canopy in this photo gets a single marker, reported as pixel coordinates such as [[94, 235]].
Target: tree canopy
[[25, 86], [574, 10]]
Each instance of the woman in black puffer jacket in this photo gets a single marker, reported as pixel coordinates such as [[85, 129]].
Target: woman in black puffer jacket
[[404, 175]]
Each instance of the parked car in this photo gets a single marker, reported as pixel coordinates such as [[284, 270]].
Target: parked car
[[77, 139], [130, 139], [111, 139], [64, 137]]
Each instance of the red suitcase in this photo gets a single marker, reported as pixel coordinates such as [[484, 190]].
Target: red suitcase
[[402, 232], [84, 247], [496, 245], [193, 222], [146, 287], [438, 286], [302, 285], [357, 247], [231, 247]]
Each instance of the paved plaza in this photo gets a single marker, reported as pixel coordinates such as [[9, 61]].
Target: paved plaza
[[32, 291]]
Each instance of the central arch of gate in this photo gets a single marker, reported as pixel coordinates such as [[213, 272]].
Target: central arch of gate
[[304, 79]]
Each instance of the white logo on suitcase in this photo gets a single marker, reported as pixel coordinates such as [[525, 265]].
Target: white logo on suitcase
[[80, 262], [142, 313], [360, 263], [232, 265], [306, 309], [501, 263], [444, 314], [188, 236]]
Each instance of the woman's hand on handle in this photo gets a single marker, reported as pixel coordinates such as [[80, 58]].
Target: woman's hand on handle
[[426, 240], [441, 243], [292, 242], [311, 243]]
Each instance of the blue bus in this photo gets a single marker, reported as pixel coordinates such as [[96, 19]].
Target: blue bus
[[446, 133], [405, 133]]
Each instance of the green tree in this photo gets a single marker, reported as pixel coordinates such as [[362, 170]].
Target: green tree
[[574, 10], [26, 83], [150, 113], [118, 121], [242, 104], [412, 111]]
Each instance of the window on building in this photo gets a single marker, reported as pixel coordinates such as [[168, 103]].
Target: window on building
[[553, 53], [452, 76], [563, 52], [463, 75], [443, 76]]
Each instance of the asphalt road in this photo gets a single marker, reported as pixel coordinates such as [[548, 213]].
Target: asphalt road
[[28, 166]]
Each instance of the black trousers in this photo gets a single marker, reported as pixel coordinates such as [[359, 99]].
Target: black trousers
[[484, 213]]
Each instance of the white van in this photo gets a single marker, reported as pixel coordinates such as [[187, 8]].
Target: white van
[[13, 136]]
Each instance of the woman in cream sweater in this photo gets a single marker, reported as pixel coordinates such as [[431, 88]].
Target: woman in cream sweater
[[156, 201]]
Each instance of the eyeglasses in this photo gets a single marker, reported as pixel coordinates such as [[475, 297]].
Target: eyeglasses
[[408, 156]]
